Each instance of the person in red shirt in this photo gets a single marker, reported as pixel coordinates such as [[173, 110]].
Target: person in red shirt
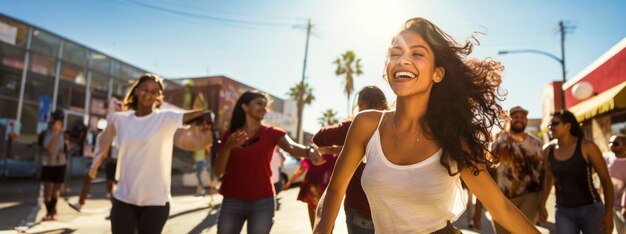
[[244, 161], [356, 207]]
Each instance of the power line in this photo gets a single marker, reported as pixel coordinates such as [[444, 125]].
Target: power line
[[225, 21]]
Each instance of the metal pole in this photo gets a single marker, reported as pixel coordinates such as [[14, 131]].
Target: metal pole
[[562, 29], [301, 97], [306, 48]]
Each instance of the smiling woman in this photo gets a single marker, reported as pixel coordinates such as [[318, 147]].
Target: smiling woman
[[144, 135], [439, 133]]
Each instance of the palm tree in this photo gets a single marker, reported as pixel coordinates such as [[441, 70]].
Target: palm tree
[[329, 117], [349, 66], [302, 93]]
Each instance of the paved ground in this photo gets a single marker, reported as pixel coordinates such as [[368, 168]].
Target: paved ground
[[189, 214]]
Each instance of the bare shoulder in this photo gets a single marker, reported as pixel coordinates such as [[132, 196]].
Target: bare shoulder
[[365, 123], [589, 146], [368, 118], [588, 143]]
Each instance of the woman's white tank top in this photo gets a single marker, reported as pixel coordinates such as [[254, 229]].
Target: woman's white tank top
[[416, 198]]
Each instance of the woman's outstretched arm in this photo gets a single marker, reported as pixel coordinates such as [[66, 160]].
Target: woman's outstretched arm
[[195, 113], [500, 208], [359, 134], [298, 150], [103, 143]]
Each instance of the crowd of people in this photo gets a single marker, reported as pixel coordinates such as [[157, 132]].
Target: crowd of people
[[400, 169]]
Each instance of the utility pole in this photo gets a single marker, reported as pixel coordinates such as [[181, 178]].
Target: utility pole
[[309, 26], [563, 30], [300, 101]]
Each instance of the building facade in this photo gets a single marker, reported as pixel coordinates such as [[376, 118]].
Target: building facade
[[41, 71], [221, 94], [597, 96]]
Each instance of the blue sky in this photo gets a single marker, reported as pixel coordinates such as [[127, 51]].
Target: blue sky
[[268, 53]]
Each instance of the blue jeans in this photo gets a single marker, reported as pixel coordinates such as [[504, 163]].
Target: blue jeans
[[200, 167], [357, 223], [587, 218], [234, 212]]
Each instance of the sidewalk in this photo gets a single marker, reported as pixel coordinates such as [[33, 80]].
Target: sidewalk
[[188, 214], [24, 198]]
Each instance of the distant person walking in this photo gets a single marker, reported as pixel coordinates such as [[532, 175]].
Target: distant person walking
[[519, 174], [569, 162], [53, 163], [244, 161], [146, 136], [616, 162], [356, 206]]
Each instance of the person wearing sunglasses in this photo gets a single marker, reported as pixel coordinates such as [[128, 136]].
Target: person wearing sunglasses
[[616, 162], [244, 160], [569, 162]]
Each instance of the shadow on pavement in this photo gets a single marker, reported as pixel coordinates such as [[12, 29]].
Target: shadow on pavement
[[209, 221]]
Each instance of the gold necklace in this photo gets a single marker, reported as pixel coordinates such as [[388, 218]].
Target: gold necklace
[[395, 134]]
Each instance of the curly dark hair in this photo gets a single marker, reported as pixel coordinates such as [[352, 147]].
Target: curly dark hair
[[130, 101], [463, 107]]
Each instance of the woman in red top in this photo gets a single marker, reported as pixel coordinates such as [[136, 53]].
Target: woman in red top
[[244, 161]]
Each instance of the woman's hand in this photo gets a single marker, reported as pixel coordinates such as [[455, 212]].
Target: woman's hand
[[315, 156], [236, 139]]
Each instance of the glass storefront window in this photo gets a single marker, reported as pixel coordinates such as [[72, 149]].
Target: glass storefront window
[[119, 87], [9, 85], [100, 63], [116, 69], [45, 43], [98, 106], [136, 73], [129, 73], [42, 65], [71, 96], [73, 73], [75, 53], [9, 93], [9, 108], [29, 120], [12, 56], [99, 82], [37, 86], [16, 32]]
